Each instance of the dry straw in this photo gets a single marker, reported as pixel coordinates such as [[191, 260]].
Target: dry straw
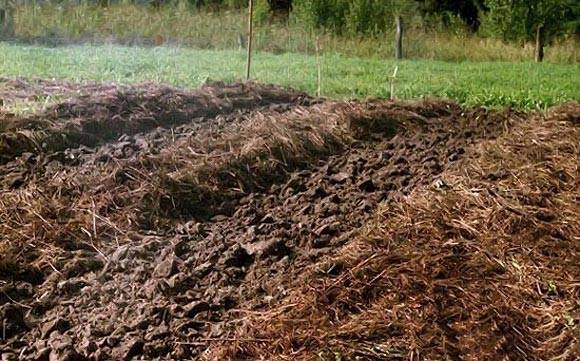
[[98, 206], [483, 264]]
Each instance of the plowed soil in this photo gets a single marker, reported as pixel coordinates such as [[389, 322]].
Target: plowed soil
[[247, 221]]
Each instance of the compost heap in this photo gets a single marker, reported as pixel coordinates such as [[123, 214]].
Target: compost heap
[[247, 221]]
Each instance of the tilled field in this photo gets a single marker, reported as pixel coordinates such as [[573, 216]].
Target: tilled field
[[251, 222]]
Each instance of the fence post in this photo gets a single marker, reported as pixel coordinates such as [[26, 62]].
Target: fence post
[[399, 39], [250, 36], [540, 43]]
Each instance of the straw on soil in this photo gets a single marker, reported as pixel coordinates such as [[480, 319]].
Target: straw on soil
[[90, 119], [211, 233], [482, 264], [89, 207]]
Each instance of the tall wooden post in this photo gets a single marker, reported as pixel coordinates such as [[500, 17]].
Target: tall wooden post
[[540, 43], [318, 68], [399, 39], [250, 36]]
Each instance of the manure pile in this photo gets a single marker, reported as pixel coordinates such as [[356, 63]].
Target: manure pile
[[246, 222]]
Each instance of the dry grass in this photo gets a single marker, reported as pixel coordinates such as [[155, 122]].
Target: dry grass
[[483, 264], [98, 206], [103, 114]]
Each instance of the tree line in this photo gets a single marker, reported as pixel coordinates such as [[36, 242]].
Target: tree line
[[541, 21], [516, 20]]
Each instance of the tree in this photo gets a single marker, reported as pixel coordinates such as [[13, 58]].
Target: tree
[[368, 17], [468, 10], [539, 20], [280, 9], [280, 5]]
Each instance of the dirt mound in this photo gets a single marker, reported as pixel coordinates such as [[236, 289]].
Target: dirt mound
[[167, 242], [14, 91], [481, 264], [92, 119]]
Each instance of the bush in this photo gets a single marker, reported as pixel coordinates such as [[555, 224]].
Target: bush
[[518, 20], [326, 14], [369, 17]]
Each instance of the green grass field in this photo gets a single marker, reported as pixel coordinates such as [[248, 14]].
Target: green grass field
[[494, 84]]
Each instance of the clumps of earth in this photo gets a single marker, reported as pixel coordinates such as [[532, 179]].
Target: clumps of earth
[[248, 221]]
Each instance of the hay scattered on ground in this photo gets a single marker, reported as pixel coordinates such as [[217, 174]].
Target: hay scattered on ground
[[234, 232], [91, 119], [482, 264], [101, 204]]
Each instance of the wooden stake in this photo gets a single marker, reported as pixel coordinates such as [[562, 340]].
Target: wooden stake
[[250, 33], [318, 66], [393, 78]]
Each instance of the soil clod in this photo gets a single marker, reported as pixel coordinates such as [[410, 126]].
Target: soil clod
[[246, 221]]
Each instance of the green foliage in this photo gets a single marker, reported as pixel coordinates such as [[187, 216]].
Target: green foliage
[[353, 17], [236, 4], [261, 11], [214, 4], [369, 17], [469, 11], [443, 22], [326, 14], [519, 19]]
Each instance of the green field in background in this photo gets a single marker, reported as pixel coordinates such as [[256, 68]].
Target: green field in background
[[495, 84]]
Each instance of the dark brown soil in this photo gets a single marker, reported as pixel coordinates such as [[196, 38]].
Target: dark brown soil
[[480, 265], [167, 218], [99, 115]]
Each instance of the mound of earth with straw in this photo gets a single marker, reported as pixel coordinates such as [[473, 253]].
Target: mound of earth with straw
[[251, 222]]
